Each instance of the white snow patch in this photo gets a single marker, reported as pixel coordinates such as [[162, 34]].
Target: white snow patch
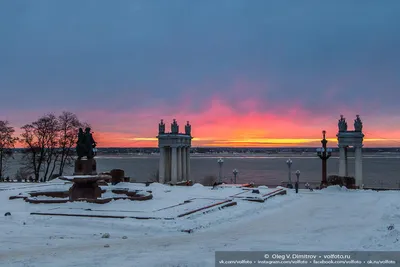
[[330, 219], [335, 188], [47, 198], [56, 180]]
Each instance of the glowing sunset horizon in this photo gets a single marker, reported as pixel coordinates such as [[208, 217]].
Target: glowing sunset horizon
[[231, 129]]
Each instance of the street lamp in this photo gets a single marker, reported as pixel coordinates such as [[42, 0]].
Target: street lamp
[[324, 154], [235, 172], [297, 181], [220, 163], [289, 163]]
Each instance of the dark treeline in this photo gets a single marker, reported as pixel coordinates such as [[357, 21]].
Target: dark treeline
[[48, 146]]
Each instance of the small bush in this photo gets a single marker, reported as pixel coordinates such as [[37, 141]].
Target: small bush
[[346, 181], [349, 182], [335, 180]]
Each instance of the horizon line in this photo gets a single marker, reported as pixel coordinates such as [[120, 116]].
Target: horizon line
[[237, 147]]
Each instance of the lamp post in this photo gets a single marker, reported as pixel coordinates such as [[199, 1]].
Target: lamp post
[[324, 154], [289, 163], [220, 163], [235, 172], [297, 181]]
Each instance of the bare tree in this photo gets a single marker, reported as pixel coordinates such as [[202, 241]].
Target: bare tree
[[51, 147], [40, 139], [68, 136], [7, 142], [49, 143]]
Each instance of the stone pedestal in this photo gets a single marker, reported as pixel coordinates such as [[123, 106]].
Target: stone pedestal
[[85, 167], [85, 186], [85, 190]]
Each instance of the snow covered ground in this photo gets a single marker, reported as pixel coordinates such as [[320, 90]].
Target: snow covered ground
[[330, 219]]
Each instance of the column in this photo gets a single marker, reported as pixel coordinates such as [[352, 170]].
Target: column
[[179, 163], [342, 162], [167, 164], [346, 165], [174, 165], [184, 173], [187, 154], [358, 167], [161, 167]]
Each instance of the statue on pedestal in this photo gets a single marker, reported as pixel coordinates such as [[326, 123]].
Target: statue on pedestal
[[85, 144], [174, 127], [358, 124], [161, 127], [188, 128], [342, 124]]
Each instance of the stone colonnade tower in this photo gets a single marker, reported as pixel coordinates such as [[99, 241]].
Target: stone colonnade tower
[[174, 165], [351, 139]]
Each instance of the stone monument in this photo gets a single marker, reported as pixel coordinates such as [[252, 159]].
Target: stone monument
[[85, 177], [174, 165], [85, 148], [348, 139], [86, 181]]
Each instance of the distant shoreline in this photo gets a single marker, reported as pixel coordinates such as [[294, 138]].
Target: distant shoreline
[[248, 155]]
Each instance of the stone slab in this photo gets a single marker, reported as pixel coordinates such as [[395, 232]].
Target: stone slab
[[85, 167]]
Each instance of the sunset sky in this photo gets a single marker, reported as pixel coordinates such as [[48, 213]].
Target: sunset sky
[[244, 73]]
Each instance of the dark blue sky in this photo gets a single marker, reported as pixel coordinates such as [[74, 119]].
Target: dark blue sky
[[123, 57]]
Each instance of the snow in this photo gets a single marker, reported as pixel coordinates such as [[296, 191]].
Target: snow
[[47, 198], [56, 180], [335, 188], [72, 177], [54, 188], [328, 219]]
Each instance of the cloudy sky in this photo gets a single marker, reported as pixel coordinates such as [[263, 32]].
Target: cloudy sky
[[242, 72]]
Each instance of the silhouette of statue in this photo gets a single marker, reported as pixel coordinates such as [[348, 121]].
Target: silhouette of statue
[[358, 124], [161, 127], [174, 127], [188, 128], [85, 144], [89, 143], [342, 124], [80, 144]]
